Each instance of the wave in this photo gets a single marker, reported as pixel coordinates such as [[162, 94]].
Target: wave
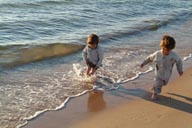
[[19, 5], [147, 26], [55, 2], [32, 4], [15, 55]]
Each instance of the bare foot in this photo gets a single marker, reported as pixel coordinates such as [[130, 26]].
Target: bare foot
[[154, 96], [92, 71]]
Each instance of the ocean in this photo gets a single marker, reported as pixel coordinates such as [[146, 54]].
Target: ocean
[[41, 43]]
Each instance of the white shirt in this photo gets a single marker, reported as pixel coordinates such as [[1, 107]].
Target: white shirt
[[164, 63], [93, 55]]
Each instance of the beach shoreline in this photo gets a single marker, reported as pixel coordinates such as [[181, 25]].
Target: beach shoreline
[[173, 109], [97, 109]]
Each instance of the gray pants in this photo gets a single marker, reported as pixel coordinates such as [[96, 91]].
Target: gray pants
[[159, 83]]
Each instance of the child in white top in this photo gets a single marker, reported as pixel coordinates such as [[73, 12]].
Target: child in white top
[[92, 54], [164, 61]]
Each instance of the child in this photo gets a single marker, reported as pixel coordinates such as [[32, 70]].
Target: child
[[164, 61], [92, 54]]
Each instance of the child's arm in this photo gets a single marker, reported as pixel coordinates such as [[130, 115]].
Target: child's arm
[[100, 55], [149, 59], [145, 62], [84, 54], [179, 65]]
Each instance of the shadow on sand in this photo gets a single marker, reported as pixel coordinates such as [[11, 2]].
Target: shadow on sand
[[187, 98], [163, 100]]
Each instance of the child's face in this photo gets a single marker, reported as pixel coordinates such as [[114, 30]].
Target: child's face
[[93, 46], [165, 51]]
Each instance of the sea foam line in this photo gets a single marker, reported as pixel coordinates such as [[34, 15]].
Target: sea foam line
[[142, 73], [187, 57], [63, 105], [137, 75]]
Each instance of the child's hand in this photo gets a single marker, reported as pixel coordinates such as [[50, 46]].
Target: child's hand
[[180, 73], [141, 66]]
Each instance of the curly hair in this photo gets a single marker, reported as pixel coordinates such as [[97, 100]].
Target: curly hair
[[167, 42], [92, 39]]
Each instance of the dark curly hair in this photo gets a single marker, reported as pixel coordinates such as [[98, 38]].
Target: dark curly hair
[[92, 39], [167, 42]]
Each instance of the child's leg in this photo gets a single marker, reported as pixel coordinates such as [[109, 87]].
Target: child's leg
[[154, 96], [157, 88], [93, 70], [88, 70]]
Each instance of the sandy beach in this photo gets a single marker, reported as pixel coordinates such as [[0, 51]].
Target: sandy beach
[[103, 110], [174, 109]]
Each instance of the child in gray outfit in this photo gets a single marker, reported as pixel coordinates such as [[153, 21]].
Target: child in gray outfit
[[164, 61], [92, 54]]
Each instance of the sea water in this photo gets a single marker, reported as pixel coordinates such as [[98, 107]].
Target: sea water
[[41, 43]]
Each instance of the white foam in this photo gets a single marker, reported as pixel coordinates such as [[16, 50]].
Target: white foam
[[187, 57], [21, 125], [81, 76], [136, 76], [35, 115], [78, 69], [63, 105]]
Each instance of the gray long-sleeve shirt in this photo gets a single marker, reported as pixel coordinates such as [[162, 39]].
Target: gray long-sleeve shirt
[[164, 64], [93, 55]]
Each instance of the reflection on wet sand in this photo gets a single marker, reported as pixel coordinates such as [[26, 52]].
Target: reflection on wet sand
[[96, 101]]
